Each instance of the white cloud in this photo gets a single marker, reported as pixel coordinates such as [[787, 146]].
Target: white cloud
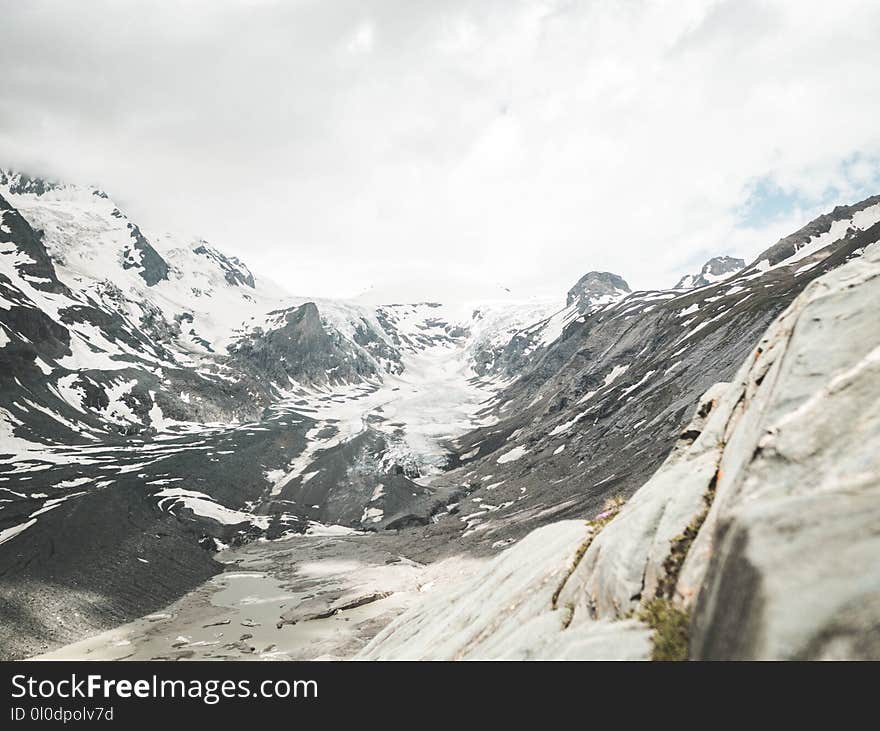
[[455, 143], [362, 40]]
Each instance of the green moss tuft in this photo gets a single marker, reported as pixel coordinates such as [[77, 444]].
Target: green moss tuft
[[670, 625]]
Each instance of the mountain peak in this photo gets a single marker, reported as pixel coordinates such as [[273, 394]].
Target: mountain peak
[[714, 270], [234, 270], [19, 183], [596, 288]]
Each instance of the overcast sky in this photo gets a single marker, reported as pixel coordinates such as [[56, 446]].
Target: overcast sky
[[438, 149]]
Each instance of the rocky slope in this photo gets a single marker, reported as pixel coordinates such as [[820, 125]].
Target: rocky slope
[[756, 539], [603, 405]]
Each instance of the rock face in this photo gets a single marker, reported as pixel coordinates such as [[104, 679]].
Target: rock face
[[297, 348], [758, 533], [143, 257], [34, 262], [786, 562], [18, 183], [714, 270], [350, 486], [509, 612], [234, 270], [596, 288]]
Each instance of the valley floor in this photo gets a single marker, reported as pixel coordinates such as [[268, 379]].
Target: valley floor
[[301, 598]]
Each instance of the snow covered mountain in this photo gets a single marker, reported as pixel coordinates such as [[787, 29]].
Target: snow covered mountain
[[715, 270], [158, 399], [161, 330]]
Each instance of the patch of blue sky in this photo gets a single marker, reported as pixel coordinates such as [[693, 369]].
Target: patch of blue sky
[[768, 201]]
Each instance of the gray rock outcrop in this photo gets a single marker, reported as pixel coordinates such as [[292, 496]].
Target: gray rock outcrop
[[714, 270], [234, 270], [596, 287], [300, 348]]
